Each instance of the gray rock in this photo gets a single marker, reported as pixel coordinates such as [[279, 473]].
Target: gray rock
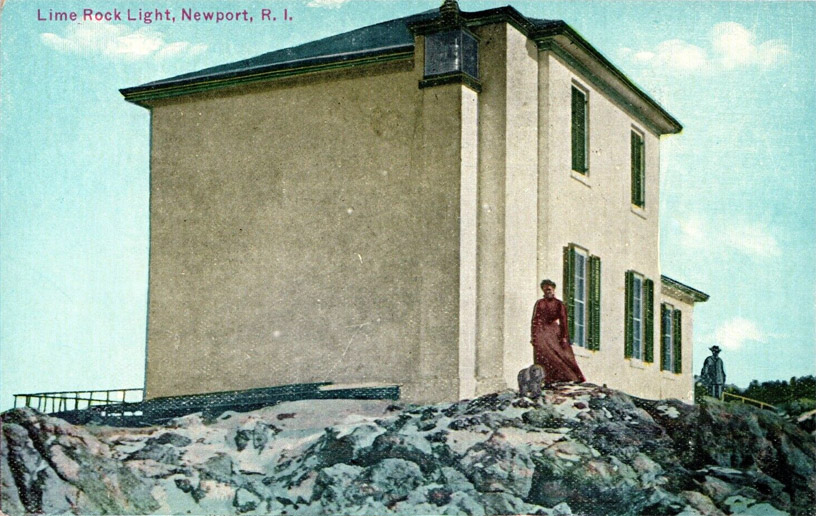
[[544, 417], [392, 479], [493, 466], [166, 454], [245, 501], [218, 467], [333, 485], [738, 504], [506, 503], [172, 439], [624, 456], [562, 509], [701, 503], [764, 509]]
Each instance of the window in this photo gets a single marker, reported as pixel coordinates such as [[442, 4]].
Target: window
[[582, 296], [670, 339], [639, 317], [451, 52], [579, 130], [638, 170], [579, 293]]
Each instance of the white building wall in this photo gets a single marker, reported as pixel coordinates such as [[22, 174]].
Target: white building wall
[[680, 386], [521, 201], [594, 211], [468, 217]]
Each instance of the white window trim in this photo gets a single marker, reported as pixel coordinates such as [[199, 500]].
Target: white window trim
[[639, 355], [671, 339], [637, 363], [585, 320], [637, 210]]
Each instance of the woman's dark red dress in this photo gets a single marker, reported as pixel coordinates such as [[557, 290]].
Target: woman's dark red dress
[[551, 348]]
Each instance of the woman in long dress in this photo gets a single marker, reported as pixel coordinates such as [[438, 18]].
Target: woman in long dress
[[550, 339]]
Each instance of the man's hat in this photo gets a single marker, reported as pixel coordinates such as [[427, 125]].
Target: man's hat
[[715, 348]]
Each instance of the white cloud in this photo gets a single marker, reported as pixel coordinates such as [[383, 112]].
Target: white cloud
[[181, 47], [117, 42], [693, 232], [736, 47], [732, 46], [734, 333], [674, 53], [332, 4], [752, 239]]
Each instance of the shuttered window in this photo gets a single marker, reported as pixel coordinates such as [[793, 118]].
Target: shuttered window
[[648, 320], [678, 340], [639, 318], [594, 342], [582, 296], [579, 130], [638, 170], [666, 337]]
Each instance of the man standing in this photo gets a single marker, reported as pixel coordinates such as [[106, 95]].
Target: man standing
[[713, 374]]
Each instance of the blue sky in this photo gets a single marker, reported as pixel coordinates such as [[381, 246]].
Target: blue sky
[[738, 217]]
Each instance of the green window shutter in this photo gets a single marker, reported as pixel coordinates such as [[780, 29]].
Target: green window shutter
[[664, 352], [648, 316], [637, 169], [627, 348], [677, 342], [569, 287], [594, 303], [578, 130]]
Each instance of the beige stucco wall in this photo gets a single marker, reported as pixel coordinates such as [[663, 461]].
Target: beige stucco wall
[[594, 211], [307, 230]]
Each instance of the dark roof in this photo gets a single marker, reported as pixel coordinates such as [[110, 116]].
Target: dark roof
[[383, 37], [693, 293], [387, 40]]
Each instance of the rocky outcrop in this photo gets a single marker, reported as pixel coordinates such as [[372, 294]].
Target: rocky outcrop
[[578, 450]]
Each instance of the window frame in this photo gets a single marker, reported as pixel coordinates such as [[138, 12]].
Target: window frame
[[637, 159], [583, 321], [667, 332], [590, 336], [581, 167], [638, 316]]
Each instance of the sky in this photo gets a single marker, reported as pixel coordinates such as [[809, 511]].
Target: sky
[[738, 215]]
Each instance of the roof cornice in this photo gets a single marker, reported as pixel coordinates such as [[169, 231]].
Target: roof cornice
[[557, 36], [565, 42], [682, 290], [549, 35], [142, 95]]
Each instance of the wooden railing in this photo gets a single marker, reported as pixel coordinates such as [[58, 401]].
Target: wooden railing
[[743, 399], [62, 401]]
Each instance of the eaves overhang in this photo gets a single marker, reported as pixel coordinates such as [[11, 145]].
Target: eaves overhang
[[682, 291], [143, 94], [566, 43]]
